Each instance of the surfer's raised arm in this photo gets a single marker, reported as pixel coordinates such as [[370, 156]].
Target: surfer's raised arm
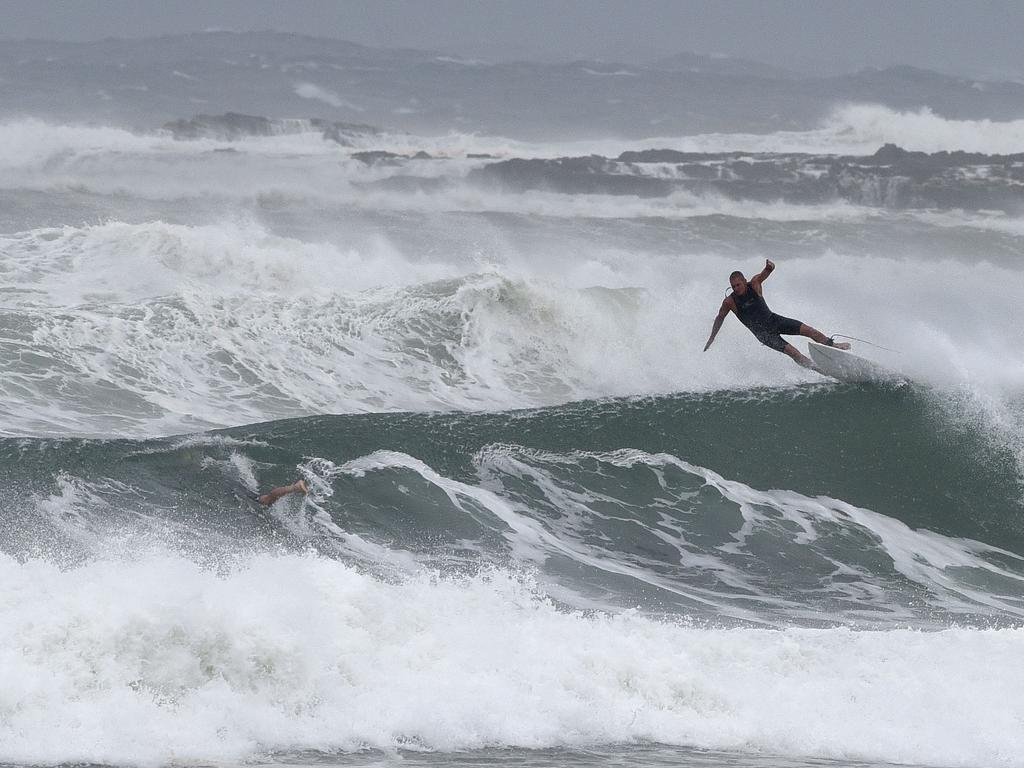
[[727, 306], [760, 277]]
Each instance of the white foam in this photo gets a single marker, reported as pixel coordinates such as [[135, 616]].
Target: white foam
[[119, 262], [679, 205], [870, 126], [312, 91], [850, 129], [156, 328], [993, 221], [302, 168], [30, 144], [157, 660], [299, 167]]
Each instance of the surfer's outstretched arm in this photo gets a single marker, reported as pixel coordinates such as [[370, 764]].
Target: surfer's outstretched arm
[[718, 323], [299, 486]]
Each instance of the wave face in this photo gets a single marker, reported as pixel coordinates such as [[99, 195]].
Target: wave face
[[543, 525]]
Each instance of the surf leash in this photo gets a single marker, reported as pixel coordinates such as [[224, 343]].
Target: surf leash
[[865, 341]]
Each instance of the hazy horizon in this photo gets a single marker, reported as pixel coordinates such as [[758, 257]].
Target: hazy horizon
[[972, 41]]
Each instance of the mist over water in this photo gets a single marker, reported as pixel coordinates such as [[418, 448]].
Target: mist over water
[[541, 520]]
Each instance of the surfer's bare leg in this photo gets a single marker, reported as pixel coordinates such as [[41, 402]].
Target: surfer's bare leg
[[821, 338], [299, 486], [800, 359]]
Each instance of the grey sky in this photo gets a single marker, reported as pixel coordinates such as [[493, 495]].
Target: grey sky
[[980, 38]]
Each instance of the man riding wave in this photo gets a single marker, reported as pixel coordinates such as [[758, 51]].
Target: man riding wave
[[747, 303]]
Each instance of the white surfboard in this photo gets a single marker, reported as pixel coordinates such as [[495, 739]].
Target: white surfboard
[[847, 366]]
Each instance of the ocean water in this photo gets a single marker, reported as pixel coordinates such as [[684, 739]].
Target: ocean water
[[544, 527]]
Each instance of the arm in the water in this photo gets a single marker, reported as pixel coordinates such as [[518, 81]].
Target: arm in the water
[[727, 306], [299, 486], [760, 277]]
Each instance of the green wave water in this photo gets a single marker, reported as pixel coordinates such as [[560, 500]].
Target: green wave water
[[755, 506]]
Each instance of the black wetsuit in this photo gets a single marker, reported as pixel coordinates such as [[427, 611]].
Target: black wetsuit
[[753, 312]]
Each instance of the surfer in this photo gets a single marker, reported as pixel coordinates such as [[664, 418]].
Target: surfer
[[299, 486], [747, 303]]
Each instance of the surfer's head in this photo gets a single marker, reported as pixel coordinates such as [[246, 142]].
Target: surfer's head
[[738, 282]]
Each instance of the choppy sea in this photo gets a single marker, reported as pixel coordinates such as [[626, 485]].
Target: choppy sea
[[544, 527]]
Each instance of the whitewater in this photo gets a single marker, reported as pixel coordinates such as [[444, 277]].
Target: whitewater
[[544, 526]]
